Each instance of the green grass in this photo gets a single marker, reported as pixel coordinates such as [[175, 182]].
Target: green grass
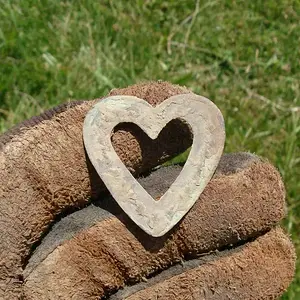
[[244, 55]]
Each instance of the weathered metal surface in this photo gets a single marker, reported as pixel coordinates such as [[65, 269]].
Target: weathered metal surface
[[207, 124]]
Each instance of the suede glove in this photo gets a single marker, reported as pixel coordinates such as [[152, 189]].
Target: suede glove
[[63, 237]]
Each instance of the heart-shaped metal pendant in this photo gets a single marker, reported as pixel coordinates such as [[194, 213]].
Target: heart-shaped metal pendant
[[207, 125]]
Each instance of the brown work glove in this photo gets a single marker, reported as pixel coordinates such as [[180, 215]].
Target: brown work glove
[[226, 247]]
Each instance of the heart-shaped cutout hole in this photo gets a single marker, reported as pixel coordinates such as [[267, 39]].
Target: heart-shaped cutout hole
[[175, 138]]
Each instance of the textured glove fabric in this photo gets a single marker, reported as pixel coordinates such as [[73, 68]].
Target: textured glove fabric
[[242, 202], [261, 269], [97, 252], [44, 172]]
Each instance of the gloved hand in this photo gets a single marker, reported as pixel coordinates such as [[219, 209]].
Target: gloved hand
[[227, 247]]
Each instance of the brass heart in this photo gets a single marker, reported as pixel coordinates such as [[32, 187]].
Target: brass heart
[[207, 125]]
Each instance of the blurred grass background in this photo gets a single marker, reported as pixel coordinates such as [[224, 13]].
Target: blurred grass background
[[243, 55]]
